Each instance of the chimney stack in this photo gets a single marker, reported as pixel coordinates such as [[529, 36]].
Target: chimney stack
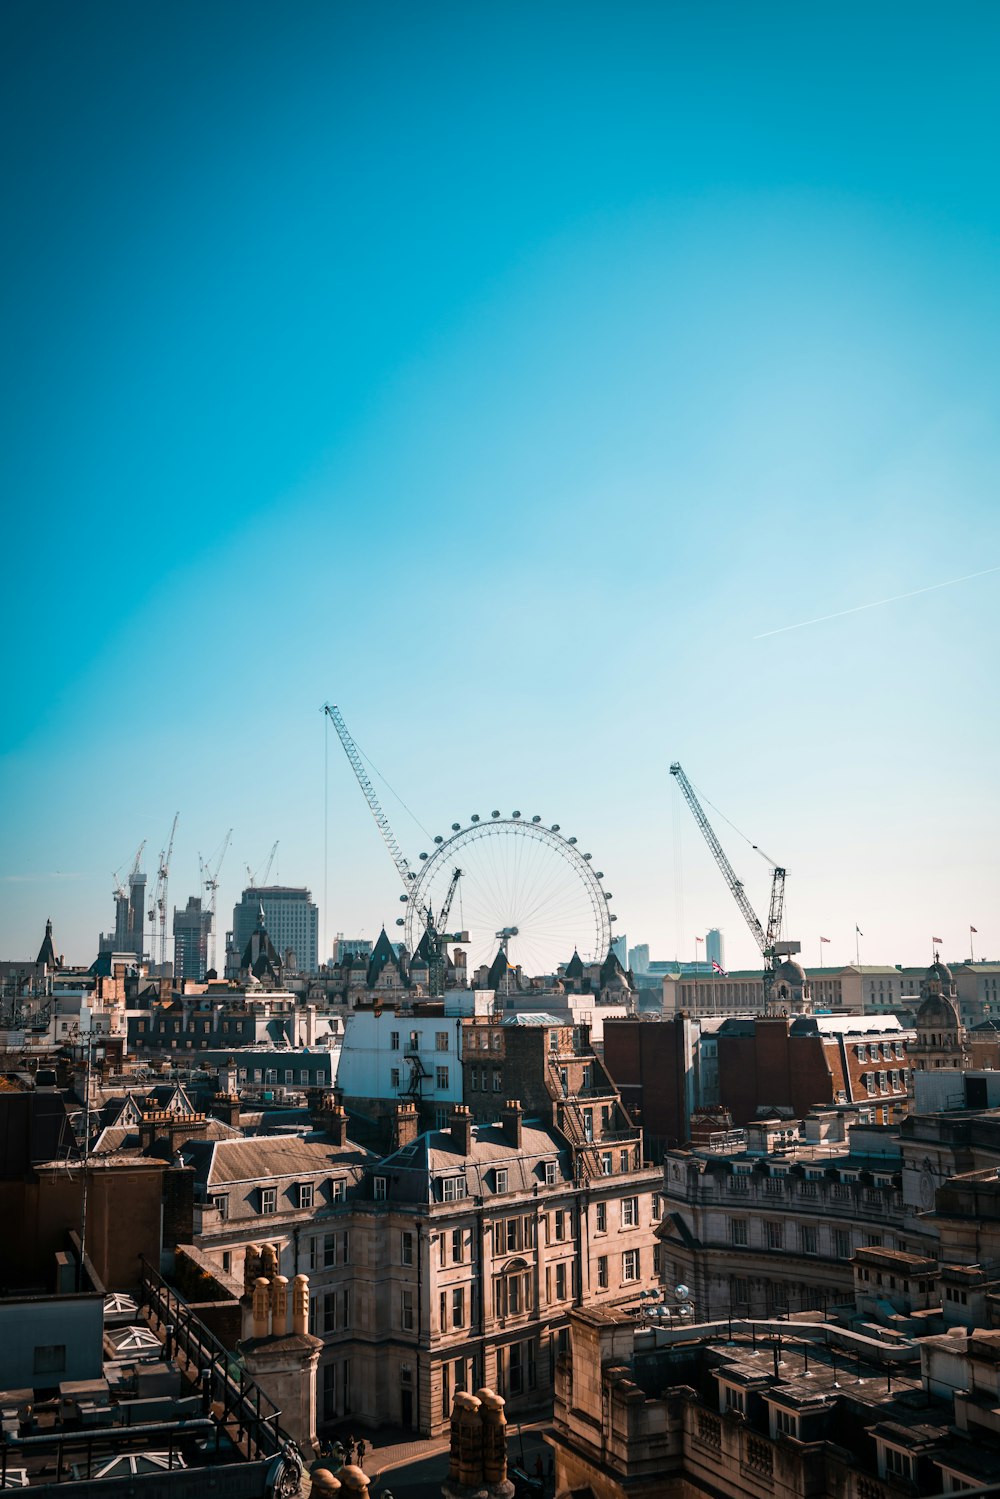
[[460, 1120], [510, 1121], [404, 1124], [336, 1125]]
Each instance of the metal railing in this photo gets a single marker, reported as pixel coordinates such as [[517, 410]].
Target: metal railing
[[224, 1381]]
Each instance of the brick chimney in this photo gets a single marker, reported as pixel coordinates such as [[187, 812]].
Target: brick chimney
[[335, 1124], [460, 1120], [226, 1106], [404, 1124], [510, 1121]]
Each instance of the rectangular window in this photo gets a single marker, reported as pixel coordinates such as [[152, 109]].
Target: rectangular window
[[338, 1189], [443, 1311], [394, 1076], [842, 1243], [606, 1163], [560, 1218], [497, 1080], [550, 1173], [602, 1272], [441, 1077], [630, 1265], [221, 1204], [561, 1281], [457, 1246], [306, 1190], [453, 1188], [380, 1188], [394, 1041], [406, 1247], [623, 1160], [269, 1199], [630, 1212], [741, 1291], [808, 1239], [501, 1177], [774, 1235], [440, 1040], [602, 1217], [406, 1310], [458, 1307], [739, 1232]]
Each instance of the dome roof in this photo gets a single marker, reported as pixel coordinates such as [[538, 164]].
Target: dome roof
[[939, 973], [938, 1011], [791, 973]]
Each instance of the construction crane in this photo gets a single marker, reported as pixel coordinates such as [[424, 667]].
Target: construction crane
[[436, 934], [210, 880], [158, 907], [252, 877], [120, 892], [767, 939]]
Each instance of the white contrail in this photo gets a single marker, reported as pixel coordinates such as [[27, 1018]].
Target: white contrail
[[877, 603]]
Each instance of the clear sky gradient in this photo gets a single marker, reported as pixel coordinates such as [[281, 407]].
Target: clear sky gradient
[[503, 373]]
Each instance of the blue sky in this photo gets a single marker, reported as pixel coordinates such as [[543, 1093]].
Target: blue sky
[[501, 372]]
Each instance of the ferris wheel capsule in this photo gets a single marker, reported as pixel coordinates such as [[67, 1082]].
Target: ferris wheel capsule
[[400, 921], [474, 817], [536, 818], [515, 814], [438, 838], [455, 826], [571, 840], [494, 814]]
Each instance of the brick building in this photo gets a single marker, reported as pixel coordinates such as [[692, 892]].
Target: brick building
[[796, 1063]]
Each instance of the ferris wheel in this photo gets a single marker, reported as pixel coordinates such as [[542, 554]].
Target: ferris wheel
[[505, 880], [517, 883]]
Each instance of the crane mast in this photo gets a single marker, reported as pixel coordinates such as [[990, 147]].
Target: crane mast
[[210, 880], [766, 940], [159, 904]]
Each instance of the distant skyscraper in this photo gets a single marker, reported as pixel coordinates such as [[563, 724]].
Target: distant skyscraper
[[291, 918], [715, 947], [191, 931], [619, 947], [638, 958], [129, 934]]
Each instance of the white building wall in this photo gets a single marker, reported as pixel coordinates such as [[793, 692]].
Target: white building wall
[[373, 1058]]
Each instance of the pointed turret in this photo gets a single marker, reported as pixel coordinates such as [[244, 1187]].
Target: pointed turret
[[47, 952], [382, 956], [574, 968], [500, 968]]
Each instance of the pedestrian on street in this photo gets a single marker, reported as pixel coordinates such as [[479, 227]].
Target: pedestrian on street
[[362, 1449], [349, 1450]]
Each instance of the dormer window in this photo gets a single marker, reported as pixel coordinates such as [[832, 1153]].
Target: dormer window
[[784, 1423], [894, 1462], [501, 1179]]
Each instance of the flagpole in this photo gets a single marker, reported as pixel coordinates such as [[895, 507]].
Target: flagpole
[[821, 952], [857, 949], [972, 958]]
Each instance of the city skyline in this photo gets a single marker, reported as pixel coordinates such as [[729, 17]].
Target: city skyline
[[523, 382]]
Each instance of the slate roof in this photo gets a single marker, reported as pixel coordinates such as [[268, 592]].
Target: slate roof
[[574, 968], [413, 1170], [217, 1162]]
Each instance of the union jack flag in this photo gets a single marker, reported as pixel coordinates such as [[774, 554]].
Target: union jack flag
[[718, 968]]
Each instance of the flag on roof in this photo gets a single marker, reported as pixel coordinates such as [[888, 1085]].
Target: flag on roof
[[824, 939], [858, 930], [937, 939], [718, 968], [974, 929]]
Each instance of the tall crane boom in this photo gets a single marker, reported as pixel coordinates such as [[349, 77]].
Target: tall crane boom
[[406, 874], [718, 853], [765, 940], [210, 880], [160, 898]]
